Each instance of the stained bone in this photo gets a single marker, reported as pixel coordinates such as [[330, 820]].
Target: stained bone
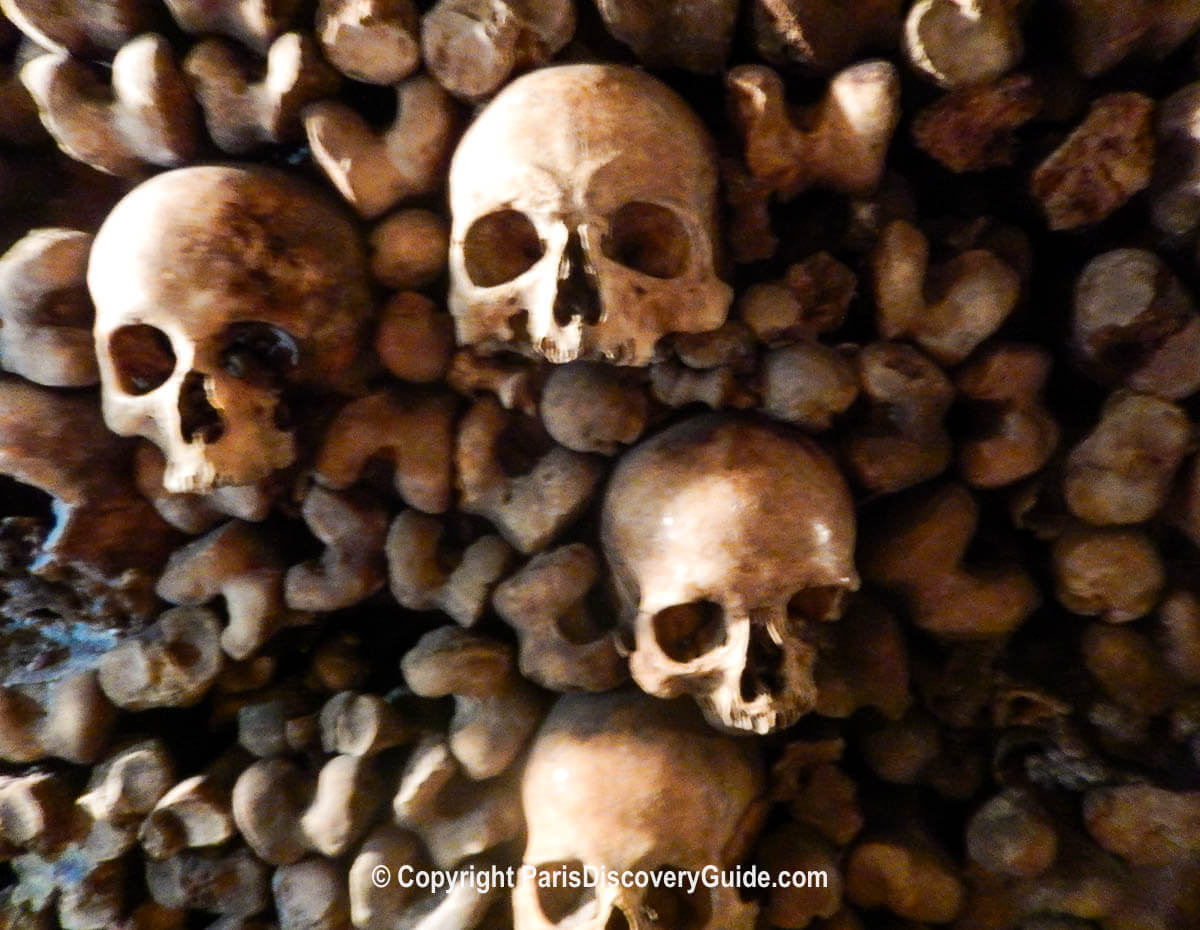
[[515, 234], [717, 530]]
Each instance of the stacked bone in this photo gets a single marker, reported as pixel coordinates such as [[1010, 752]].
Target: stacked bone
[[345, 488]]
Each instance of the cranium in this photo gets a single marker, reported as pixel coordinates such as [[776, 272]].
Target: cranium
[[622, 783], [583, 201], [726, 535], [216, 289]]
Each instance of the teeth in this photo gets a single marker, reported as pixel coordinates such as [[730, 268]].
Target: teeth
[[762, 715], [558, 354]]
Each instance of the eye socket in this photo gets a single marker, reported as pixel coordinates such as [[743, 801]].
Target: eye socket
[[562, 891], [820, 603], [648, 238], [142, 356], [676, 907], [687, 631], [259, 353], [500, 246]]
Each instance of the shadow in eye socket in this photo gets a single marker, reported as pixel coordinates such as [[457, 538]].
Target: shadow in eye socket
[[561, 891], [500, 246], [258, 353], [142, 356], [648, 238], [687, 631], [675, 908], [820, 603]]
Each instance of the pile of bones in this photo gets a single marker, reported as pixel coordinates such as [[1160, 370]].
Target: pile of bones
[[601, 434]]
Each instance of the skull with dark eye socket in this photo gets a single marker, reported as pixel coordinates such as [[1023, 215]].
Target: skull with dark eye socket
[[727, 536], [584, 219], [218, 292]]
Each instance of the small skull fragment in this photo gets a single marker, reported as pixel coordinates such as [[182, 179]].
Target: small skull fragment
[[726, 535], [217, 290], [584, 219]]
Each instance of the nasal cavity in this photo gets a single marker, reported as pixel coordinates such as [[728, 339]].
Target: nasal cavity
[[763, 674], [198, 419], [616, 921], [577, 296]]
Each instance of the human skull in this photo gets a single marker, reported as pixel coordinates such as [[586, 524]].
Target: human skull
[[726, 535], [584, 218], [620, 782], [217, 289]]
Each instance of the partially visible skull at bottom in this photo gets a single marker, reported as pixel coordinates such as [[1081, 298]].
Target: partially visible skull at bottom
[[218, 289], [624, 783], [584, 218], [726, 535]]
